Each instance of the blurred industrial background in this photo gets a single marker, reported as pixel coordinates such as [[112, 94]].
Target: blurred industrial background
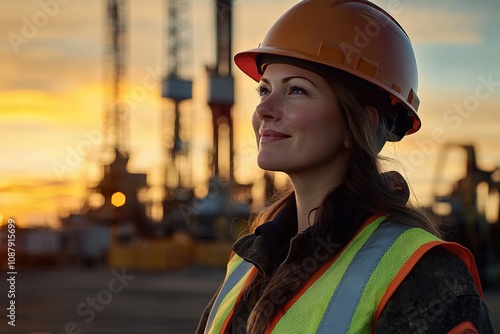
[[118, 222], [170, 228]]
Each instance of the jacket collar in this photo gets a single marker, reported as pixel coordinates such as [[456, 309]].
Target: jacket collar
[[277, 241], [269, 245]]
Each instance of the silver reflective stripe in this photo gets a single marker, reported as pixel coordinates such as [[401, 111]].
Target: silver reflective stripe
[[231, 281], [341, 308]]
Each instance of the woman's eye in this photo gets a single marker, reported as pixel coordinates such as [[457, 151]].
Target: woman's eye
[[297, 90], [261, 91]]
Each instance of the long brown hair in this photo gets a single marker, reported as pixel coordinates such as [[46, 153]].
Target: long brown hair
[[364, 189]]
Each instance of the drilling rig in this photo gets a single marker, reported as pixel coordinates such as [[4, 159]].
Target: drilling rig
[[89, 230], [176, 88], [225, 209], [117, 181], [212, 216]]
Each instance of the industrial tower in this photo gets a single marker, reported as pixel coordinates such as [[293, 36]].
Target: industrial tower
[[225, 209], [118, 187], [115, 119], [221, 91], [88, 230], [176, 88]]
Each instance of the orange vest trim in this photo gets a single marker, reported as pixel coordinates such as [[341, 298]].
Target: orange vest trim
[[469, 261], [455, 248]]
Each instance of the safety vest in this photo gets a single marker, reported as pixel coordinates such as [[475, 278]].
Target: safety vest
[[347, 294]]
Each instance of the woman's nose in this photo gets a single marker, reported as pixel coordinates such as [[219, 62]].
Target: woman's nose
[[269, 108]]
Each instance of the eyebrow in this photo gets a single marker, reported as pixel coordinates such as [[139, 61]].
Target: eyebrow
[[287, 79]]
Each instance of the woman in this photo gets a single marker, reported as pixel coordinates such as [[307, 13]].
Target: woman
[[340, 251]]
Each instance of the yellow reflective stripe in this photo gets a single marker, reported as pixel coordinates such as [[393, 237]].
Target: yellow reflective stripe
[[237, 273], [317, 295], [394, 259]]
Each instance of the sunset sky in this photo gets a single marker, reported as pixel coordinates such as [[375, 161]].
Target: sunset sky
[[52, 94]]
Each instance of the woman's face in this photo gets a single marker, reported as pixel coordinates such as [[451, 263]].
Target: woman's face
[[297, 122]]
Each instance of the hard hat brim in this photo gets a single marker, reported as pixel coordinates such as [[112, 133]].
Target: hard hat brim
[[247, 62]]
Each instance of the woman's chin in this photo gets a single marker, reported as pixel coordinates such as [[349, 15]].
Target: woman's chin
[[270, 166]]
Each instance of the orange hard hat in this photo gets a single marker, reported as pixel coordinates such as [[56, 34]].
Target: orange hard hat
[[354, 36]]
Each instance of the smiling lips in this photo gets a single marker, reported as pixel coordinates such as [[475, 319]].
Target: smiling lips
[[270, 135]]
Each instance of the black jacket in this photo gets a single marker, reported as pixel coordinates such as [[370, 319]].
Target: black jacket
[[437, 295]]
